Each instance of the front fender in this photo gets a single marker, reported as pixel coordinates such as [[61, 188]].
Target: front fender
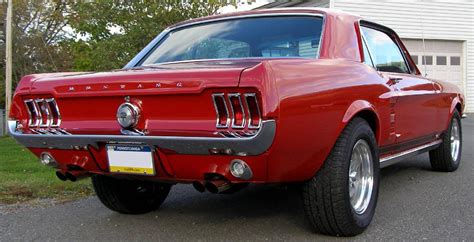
[[454, 103]]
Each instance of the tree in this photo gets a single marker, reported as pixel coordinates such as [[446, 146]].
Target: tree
[[36, 33], [45, 32], [115, 31]]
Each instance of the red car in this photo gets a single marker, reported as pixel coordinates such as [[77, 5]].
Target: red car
[[310, 96]]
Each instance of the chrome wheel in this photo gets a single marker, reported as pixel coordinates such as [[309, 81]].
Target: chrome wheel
[[455, 140], [361, 176]]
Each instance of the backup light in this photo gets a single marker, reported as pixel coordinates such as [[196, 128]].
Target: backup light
[[240, 169], [47, 159]]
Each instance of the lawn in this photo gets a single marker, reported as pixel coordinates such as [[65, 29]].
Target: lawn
[[24, 179]]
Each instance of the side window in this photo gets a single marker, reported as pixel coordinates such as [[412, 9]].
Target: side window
[[385, 52]]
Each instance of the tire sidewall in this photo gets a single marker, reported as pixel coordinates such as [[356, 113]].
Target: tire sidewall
[[456, 117], [363, 132]]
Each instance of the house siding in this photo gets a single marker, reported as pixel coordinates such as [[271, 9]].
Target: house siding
[[439, 20]]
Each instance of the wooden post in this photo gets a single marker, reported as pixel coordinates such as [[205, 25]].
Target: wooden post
[[8, 65]]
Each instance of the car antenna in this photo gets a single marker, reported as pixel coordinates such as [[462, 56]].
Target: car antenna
[[424, 50]]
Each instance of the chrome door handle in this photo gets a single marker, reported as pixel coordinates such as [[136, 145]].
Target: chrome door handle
[[393, 80]]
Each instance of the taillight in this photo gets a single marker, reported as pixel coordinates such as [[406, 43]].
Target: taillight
[[33, 113], [45, 115], [241, 116], [223, 118], [255, 118], [42, 112], [238, 115], [54, 110]]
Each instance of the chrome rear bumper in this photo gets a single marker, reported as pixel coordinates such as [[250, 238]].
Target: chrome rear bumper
[[240, 146]]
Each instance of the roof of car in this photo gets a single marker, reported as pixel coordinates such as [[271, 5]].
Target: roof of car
[[272, 11]]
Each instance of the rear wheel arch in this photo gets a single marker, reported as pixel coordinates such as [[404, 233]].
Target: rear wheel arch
[[366, 111]]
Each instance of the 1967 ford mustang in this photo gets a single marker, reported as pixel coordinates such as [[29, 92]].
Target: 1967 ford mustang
[[310, 96]]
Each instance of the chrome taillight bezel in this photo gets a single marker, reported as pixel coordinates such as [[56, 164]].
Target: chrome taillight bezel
[[254, 96], [33, 121], [248, 111], [43, 109], [221, 96], [42, 113], [53, 106]]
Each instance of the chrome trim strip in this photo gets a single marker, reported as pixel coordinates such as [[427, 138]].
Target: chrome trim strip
[[221, 96], [157, 40], [242, 146], [233, 125], [254, 96], [30, 116], [52, 101], [32, 122], [392, 159]]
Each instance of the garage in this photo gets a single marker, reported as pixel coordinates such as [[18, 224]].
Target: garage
[[446, 26], [438, 59]]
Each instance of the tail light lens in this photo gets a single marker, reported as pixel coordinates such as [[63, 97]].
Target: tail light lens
[[241, 116], [255, 118], [54, 110], [223, 118], [45, 116], [238, 115]]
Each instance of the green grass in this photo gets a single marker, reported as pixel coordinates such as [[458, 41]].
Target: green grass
[[24, 179]]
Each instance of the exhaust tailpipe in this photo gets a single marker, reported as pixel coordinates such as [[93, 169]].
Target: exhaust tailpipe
[[217, 186], [61, 176], [199, 186], [75, 175]]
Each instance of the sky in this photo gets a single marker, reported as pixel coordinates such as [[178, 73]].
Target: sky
[[242, 5]]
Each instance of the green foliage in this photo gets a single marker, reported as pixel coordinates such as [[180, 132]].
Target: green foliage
[[117, 30], [23, 178], [36, 31], [45, 32]]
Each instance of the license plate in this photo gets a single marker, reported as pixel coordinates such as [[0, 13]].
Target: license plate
[[130, 159]]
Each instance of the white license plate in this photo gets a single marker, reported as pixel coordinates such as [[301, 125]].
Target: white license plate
[[130, 159]]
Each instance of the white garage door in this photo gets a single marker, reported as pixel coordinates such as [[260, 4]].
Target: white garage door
[[441, 59]]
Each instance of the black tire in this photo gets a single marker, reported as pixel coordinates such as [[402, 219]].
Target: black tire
[[326, 196], [130, 196], [441, 158]]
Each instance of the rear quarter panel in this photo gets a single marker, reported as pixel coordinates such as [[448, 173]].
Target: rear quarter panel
[[316, 98]]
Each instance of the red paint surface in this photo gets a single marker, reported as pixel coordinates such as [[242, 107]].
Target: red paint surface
[[311, 100]]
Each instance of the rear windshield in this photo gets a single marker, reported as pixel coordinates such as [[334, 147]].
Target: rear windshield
[[289, 36]]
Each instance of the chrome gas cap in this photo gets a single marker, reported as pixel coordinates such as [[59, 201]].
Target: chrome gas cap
[[128, 115]]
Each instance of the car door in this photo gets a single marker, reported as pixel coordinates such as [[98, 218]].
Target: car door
[[415, 107]]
